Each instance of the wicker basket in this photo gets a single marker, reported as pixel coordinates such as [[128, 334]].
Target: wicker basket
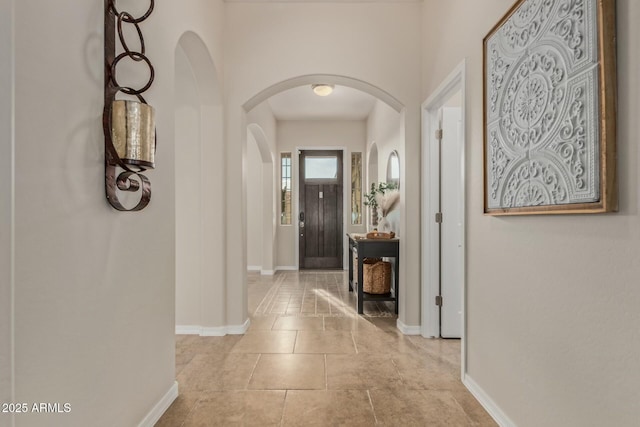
[[377, 276]]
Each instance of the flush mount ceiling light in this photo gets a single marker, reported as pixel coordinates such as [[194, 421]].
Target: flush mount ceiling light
[[322, 89]]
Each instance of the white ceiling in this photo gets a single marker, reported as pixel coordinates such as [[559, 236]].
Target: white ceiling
[[301, 103]]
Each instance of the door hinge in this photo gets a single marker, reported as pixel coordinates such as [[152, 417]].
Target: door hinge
[[439, 300], [438, 133], [439, 217]]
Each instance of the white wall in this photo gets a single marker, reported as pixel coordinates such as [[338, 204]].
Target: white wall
[[384, 127], [262, 116], [552, 301], [94, 298], [378, 43], [199, 192], [188, 194], [262, 166], [254, 204], [6, 192], [298, 134]]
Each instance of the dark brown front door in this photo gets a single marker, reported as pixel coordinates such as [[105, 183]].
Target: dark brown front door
[[320, 218]]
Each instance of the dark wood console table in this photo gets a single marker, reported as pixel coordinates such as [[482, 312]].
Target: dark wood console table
[[373, 248]]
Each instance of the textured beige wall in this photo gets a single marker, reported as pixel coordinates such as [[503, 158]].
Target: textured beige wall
[[552, 301], [6, 190], [94, 300], [269, 43]]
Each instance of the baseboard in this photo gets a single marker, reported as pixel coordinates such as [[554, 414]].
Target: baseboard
[[406, 329], [212, 331], [487, 403], [254, 268], [160, 408], [267, 272], [188, 329], [239, 329], [286, 268]]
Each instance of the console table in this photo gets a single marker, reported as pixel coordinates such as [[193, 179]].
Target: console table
[[373, 248]]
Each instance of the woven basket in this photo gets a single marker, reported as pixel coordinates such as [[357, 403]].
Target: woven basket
[[377, 276]]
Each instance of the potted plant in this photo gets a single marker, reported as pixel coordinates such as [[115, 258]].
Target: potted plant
[[372, 197]]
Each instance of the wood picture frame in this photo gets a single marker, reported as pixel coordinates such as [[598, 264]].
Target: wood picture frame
[[549, 104]]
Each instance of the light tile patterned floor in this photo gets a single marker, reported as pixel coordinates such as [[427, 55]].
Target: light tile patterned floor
[[309, 360], [315, 293]]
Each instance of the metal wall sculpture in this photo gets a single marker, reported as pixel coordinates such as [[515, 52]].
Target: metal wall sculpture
[[129, 125], [549, 109]]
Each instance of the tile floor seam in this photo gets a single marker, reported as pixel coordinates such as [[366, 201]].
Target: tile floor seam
[[471, 422], [193, 408], [253, 371], [326, 373], [397, 368], [271, 292], [284, 407], [373, 410]]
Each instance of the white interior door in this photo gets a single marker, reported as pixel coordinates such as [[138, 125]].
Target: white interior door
[[451, 273]]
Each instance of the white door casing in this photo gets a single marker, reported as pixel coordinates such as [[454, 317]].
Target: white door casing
[[430, 240]]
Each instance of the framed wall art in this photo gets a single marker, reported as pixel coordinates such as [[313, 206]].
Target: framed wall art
[[550, 109]]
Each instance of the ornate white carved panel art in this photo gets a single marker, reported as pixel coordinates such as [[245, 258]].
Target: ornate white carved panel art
[[542, 89]]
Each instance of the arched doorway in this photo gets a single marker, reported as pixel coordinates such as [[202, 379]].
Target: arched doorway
[[199, 170], [237, 292], [260, 202]]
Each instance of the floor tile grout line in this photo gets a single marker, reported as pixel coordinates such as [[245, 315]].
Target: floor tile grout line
[[471, 422], [326, 373], [271, 292], [193, 408], [284, 407], [253, 371], [397, 368], [373, 410]]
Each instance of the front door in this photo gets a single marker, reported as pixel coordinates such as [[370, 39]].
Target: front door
[[320, 217]]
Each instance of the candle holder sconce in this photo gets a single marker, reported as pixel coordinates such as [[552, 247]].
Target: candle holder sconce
[[129, 125]]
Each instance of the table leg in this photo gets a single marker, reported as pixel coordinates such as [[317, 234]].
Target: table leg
[[350, 267], [360, 284], [396, 278]]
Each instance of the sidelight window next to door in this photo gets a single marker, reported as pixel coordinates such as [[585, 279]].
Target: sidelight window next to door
[[320, 217]]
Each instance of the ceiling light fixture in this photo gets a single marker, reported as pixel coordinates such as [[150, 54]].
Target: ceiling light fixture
[[322, 89]]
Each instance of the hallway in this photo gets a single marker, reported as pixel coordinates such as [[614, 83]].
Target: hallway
[[309, 360]]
